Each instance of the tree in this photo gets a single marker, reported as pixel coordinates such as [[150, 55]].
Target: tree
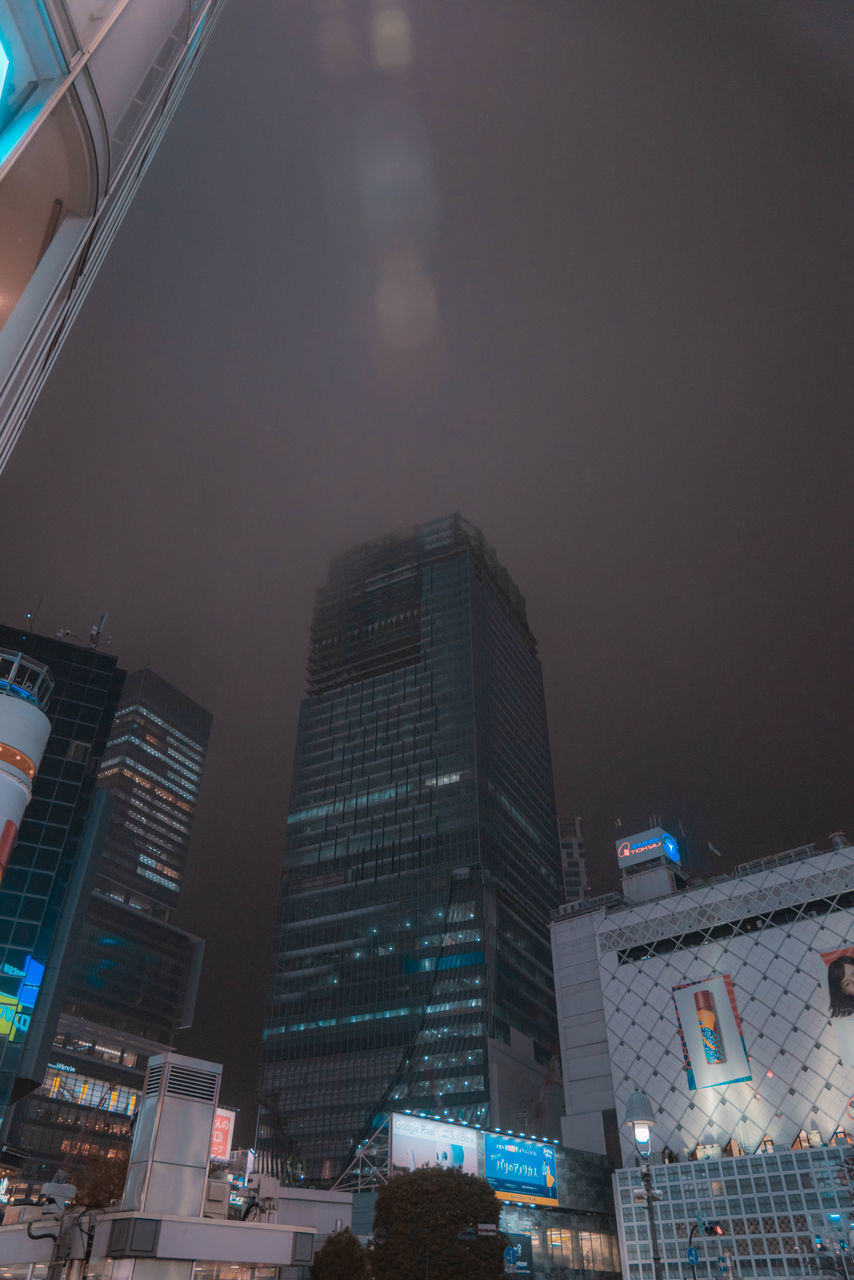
[[417, 1224], [341, 1258], [100, 1180]]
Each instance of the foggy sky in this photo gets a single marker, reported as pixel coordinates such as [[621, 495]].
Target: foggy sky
[[623, 233]]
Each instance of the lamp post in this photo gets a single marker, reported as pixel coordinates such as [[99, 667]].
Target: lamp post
[[641, 1117]]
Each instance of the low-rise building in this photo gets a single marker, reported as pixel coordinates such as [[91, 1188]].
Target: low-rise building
[[726, 1004]]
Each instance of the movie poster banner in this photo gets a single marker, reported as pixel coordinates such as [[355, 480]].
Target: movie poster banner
[[713, 1046]]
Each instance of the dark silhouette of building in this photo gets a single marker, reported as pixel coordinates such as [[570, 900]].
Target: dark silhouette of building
[[573, 858], [411, 962]]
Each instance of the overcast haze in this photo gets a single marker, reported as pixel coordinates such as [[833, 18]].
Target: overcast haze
[[581, 271]]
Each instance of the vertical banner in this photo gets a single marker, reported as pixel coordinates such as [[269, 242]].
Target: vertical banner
[[222, 1134], [839, 975]]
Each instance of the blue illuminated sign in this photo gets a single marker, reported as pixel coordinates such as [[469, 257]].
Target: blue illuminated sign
[[671, 848], [16, 1006], [647, 845], [520, 1170], [4, 68]]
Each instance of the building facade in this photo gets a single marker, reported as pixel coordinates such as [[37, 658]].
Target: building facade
[[87, 91], [131, 981], [573, 857], [727, 1004], [411, 960], [47, 875]]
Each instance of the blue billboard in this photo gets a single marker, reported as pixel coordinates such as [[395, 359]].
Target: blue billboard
[[520, 1170]]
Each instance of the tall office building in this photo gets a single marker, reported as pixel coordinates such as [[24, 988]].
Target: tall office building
[[132, 978], [422, 861], [46, 877], [87, 90], [153, 768]]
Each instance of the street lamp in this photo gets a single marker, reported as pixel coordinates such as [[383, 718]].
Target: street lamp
[[641, 1117]]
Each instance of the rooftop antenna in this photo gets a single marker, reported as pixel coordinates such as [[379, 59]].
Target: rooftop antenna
[[97, 631]]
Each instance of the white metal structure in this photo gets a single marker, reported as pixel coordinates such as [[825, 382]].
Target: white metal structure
[[25, 687], [87, 90]]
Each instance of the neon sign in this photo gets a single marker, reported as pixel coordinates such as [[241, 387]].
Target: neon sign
[[16, 1007], [648, 844]]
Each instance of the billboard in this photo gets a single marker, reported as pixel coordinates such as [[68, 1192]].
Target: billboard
[[518, 1169], [222, 1134], [839, 978], [713, 1048], [417, 1142], [524, 1251], [646, 845]]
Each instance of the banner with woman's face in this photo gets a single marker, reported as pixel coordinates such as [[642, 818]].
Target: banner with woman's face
[[840, 997]]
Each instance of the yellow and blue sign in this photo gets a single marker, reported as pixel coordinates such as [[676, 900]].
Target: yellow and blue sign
[[520, 1170]]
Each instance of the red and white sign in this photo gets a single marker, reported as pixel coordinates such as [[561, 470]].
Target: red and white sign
[[223, 1132]]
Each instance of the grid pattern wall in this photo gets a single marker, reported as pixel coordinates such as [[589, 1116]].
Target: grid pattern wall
[[392, 937], [773, 1208], [131, 973], [43, 860], [779, 923], [519, 836]]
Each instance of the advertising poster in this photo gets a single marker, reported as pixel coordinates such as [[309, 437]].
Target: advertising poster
[[222, 1133], [839, 975], [19, 989], [524, 1253], [519, 1170], [418, 1143], [713, 1046]]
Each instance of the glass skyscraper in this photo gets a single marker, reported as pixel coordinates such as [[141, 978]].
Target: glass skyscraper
[[130, 982], [412, 964], [153, 768], [46, 875]]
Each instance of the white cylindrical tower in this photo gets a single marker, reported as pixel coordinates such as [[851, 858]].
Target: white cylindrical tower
[[25, 687]]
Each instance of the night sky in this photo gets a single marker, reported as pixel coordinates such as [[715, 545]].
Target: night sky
[[581, 270]]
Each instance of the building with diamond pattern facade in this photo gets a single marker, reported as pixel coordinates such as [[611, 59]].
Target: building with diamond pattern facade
[[755, 1129]]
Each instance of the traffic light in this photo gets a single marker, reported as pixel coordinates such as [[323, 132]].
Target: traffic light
[[819, 1242], [713, 1229]]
